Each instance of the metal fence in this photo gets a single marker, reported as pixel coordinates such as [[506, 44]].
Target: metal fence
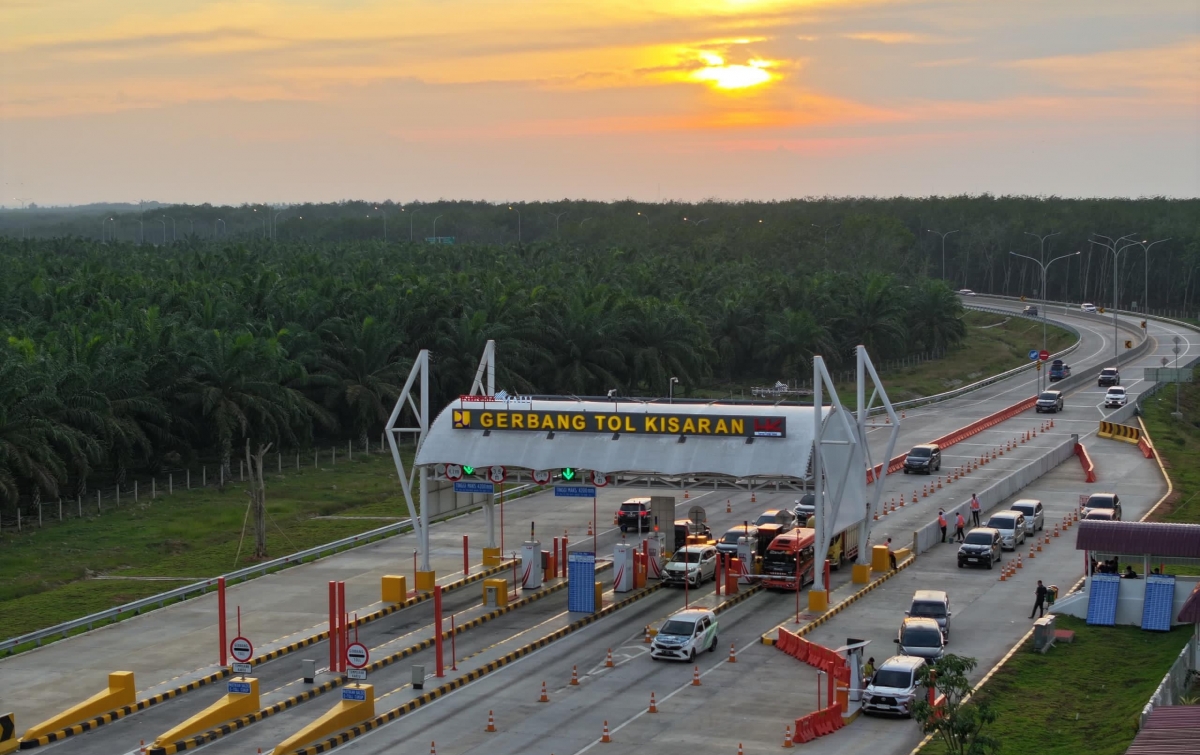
[[1176, 683]]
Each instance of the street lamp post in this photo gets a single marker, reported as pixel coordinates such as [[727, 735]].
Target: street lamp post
[[647, 217], [1146, 281], [435, 220], [671, 390], [384, 214], [164, 225], [557, 217], [825, 234], [696, 222], [581, 222], [410, 223], [1042, 253], [943, 235], [275, 224], [1045, 299], [1111, 245], [514, 209], [222, 222]]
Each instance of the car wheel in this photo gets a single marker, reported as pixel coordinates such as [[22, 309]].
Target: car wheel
[[960, 564], [623, 530], [713, 647], [906, 470]]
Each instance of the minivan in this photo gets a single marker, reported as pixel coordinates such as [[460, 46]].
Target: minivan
[[921, 637], [893, 689], [926, 458], [1102, 501], [1011, 525], [932, 604], [1035, 515]]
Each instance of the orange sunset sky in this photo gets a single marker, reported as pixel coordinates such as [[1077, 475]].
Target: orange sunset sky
[[229, 102]]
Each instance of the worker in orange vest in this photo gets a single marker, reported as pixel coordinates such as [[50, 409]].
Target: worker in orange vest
[[959, 523], [942, 523]]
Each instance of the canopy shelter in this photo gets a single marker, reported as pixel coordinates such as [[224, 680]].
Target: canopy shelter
[[1150, 543]]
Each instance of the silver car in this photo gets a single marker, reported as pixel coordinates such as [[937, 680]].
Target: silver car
[[694, 563], [1035, 515], [1011, 525], [922, 638]]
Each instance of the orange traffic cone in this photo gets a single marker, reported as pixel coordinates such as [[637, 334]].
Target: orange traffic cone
[[939, 484], [1019, 564], [1004, 574], [687, 494], [787, 737], [696, 676], [574, 676], [589, 529], [925, 491], [608, 661], [739, 748], [732, 653], [728, 506], [646, 636], [491, 722], [653, 705], [1056, 529], [544, 698], [753, 498], [605, 737], [433, 748], [914, 495]]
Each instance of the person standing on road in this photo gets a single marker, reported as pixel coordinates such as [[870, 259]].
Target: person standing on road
[[958, 527], [942, 523], [1040, 604], [868, 671], [891, 555], [974, 510]]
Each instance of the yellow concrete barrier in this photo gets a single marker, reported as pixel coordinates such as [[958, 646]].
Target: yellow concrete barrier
[[240, 700], [426, 581], [394, 589], [1127, 433], [491, 557], [349, 711], [120, 692], [861, 573], [902, 553], [879, 558], [818, 600], [501, 591], [8, 733]]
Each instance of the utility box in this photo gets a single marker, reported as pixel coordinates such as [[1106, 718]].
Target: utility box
[[495, 593], [418, 677], [662, 519], [1043, 633], [308, 668], [623, 567], [394, 588], [531, 565], [656, 548]]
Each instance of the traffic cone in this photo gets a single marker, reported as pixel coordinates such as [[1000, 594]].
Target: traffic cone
[[914, 495], [608, 661], [544, 698], [1000, 452], [605, 737], [728, 506], [1004, 573], [924, 491], [491, 722], [589, 529], [732, 653], [1056, 529], [646, 636], [433, 748], [653, 705], [1019, 564], [1039, 546], [574, 676], [1047, 538], [787, 737], [993, 454], [1051, 423], [695, 676], [687, 494], [903, 414], [939, 483], [753, 498], [739, 748], [1035, 432]]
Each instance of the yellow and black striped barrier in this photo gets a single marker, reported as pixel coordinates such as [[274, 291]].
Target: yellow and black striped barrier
[[1126, 433], [125, 710]]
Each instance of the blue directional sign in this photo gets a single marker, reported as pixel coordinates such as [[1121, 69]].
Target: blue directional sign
[[1033, 355], [581, 582], [474, 487], [574, 491], [239, 688], [350, 693]]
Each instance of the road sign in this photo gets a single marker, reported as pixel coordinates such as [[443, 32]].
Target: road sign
[[1033, 355], [454, 472], [352, 693], [1038, 366], [497, 474], [357, 655], [1043, 355], [1167, 375], [241, 649], [540, 476], [1129, 344], [574, 491], [357, 674], [697, 515], [568, 474], [474, 487], [238, 688], [242, 668], [598, 479]]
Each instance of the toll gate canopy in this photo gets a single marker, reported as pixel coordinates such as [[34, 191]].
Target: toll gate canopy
[[630, 443]]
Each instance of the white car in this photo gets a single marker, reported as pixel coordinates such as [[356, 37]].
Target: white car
[[965, 292], [684, 635], [1115, 397], [1088, 307], [695, 563]]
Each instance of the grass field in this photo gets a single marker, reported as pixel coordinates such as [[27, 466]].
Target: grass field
[[49, 575], [1178, 444], [1082, 697]]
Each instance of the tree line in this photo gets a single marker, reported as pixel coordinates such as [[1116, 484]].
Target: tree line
[[121, 358]]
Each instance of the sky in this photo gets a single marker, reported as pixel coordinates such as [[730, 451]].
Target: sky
[[522, 100]]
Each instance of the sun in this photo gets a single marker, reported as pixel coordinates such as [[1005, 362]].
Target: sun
[[717, 73]]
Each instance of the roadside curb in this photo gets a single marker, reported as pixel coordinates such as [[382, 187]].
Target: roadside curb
[[769, 637], [1161, 468]]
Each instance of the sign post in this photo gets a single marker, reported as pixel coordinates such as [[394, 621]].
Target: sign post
[[357, 657], [241, 649]]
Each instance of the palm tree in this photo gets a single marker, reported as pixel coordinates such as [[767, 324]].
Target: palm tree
[[662, 342], [791, 339], [872, 315], [935, 316], [361, 372], [584, 338]]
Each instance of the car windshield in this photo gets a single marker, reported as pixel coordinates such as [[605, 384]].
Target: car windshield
[[1024, 508], [1116, 391], [890, 677], [928, 608], [921, 453], [1002, 522], [921, 637], [1108, 371], [979, 538], [768, 518], [678, 627], [690, 557], [732, 536], [631, 507], [1100, 502], [1049, 396]]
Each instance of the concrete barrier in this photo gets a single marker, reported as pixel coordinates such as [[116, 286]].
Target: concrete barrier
[[240, 699], [930, 535], [121, 691], [1127, 433], [357, 705], [1089, 469]]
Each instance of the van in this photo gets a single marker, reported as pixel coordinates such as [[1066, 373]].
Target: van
[[932, 604], [1011, 525], [922, 638], [894, 688]]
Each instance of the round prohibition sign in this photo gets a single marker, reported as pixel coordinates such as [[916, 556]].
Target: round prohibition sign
[[357, 655], [1043, 355], [454, 472], [497, 474], [241, 649], [540, 476], [599, 479]]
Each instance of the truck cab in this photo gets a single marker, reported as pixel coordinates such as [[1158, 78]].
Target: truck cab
[[789, 554]]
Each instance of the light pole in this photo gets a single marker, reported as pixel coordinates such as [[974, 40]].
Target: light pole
[[164, 225], [647, 217], [1112, 246], [514, 209], [1042, 251], [191, 227], [1045, 299], [581, 222], [410, 223], [557, 217], [172, 230], [943, 235], [1146, 281], [384, 214], [275, 224], [435, 220], [696, 222], [264, 222], [671, 390], [222, 222]]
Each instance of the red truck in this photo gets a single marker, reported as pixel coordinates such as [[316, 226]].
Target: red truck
[[780, 561]]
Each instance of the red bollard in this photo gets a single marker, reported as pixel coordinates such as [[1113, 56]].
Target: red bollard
[[437, 610], [343, 627], [333, 627], [221, 638], [564, 556], [466, 558], [555, 564], [717, 576]]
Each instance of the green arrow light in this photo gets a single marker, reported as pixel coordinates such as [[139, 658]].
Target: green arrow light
[[468, 470], [568, 474]]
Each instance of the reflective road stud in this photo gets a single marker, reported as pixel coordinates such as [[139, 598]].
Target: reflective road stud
[[696, 676], [491, 722]]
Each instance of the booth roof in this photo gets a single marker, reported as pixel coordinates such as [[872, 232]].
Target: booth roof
[[629, 452], [1163, 539]]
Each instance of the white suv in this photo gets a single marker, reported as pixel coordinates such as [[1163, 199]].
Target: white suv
[[684, 635], [894, 686], [1115, 396], [694, 563]]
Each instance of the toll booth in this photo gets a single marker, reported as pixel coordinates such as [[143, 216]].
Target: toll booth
[[656, 555], [662, 514], [853, 652], [746, 550], [623, 566], [531, 565]]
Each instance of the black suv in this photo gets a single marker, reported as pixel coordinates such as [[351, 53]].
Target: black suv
[[926, 458], [634, 515], [981, 547], [1108, 376]]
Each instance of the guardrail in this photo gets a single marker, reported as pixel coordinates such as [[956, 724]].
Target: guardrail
[[111, 615]]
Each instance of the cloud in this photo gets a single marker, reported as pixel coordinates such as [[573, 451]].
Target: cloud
[[1167, 73], [901, 38]]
